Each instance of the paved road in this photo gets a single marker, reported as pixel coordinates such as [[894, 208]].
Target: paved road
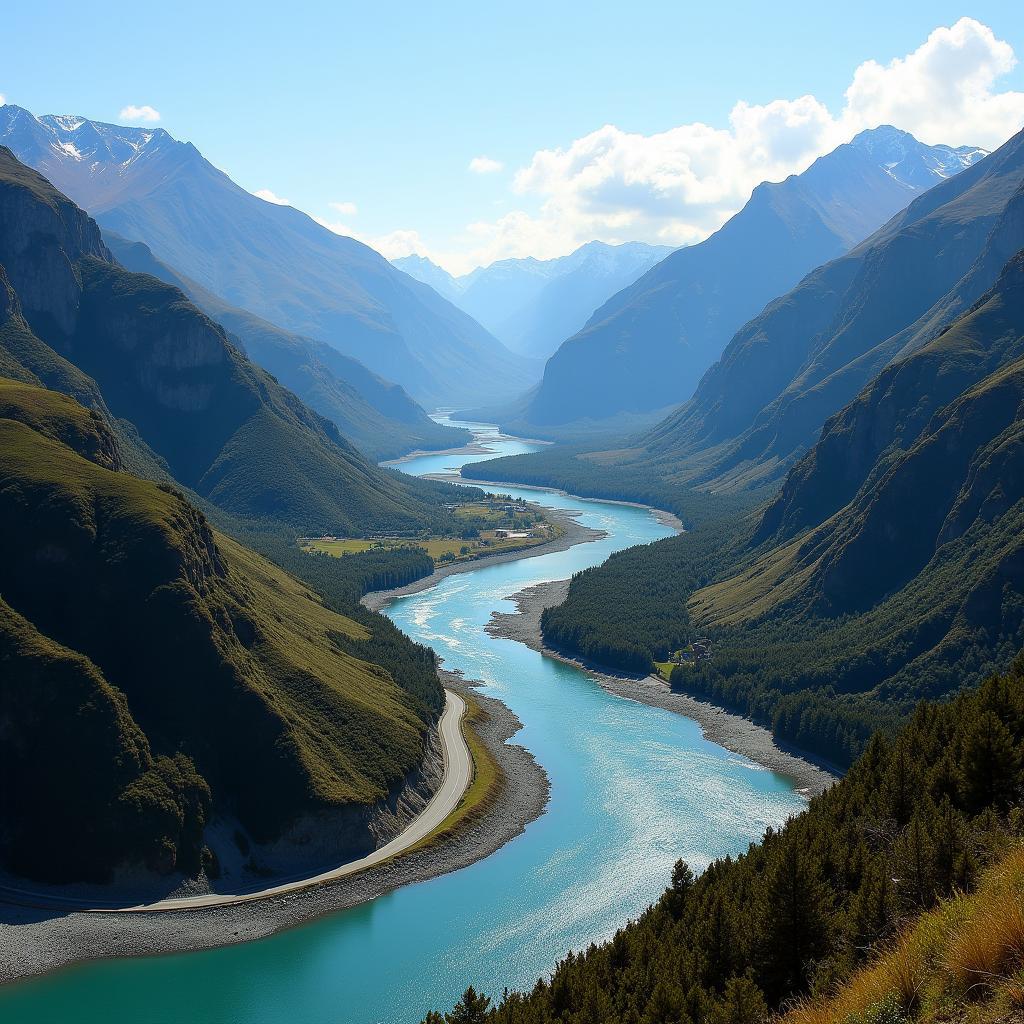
[[458, 770]]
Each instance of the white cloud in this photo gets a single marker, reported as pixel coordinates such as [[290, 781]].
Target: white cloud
[[270, 197], [943, 91], [391, 245], [345, 209], [485, 165], [3, 99], [134, 113], [679, 185]]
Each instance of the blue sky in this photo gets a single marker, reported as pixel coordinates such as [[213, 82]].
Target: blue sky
[[383, 110]]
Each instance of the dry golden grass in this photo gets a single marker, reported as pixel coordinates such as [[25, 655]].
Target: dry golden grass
[[962, 961], [990, 945]]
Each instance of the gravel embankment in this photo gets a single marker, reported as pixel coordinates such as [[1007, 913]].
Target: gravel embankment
[[733, 732]]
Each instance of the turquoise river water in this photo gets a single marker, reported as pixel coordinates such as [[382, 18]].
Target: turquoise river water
[[632, 789]]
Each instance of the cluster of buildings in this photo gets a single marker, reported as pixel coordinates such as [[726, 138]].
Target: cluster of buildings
[[699, 650]]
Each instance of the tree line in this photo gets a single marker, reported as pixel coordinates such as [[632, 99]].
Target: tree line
[[917, 817]]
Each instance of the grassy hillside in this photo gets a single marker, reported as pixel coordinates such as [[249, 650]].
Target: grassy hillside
[[915, 821], [962, 961], [191, 405], [219, 684]]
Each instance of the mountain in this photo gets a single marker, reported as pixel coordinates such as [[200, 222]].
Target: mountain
[[377, 416], [810, 352], [533, 305], [164, 688], [268, 259], [648, 346], [186, 402], [902, 530], [888, 568], [430, 273]]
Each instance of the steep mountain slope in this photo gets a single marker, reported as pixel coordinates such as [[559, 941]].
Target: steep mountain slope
[[810, 352], [533, 305], [430, 273], [890, 567], [142, 352], [271, 260], [648, 346], [378, 417], [157, 675]]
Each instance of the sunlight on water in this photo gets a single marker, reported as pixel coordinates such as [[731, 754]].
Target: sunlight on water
[[633, 789]]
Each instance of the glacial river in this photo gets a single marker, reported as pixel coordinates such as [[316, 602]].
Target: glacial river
[[632, 789]]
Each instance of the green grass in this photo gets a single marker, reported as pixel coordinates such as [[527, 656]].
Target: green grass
[[438, 548], [223, 674]]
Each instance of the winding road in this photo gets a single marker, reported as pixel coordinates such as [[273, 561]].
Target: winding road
[[458, 772]]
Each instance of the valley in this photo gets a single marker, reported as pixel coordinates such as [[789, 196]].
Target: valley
[[511, 516], [567, 868]]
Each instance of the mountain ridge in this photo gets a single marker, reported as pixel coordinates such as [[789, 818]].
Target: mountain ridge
[[378, 416], [272, 260], [671, 325], [533, 305], [197, 406]]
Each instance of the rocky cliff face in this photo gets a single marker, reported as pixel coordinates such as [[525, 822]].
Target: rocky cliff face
[[39, 244], [140, 351], [891, 413]]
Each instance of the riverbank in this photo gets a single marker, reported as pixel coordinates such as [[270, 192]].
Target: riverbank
[[35, 941], [473, 448], [573, 532], [669, 519], [728, 730]]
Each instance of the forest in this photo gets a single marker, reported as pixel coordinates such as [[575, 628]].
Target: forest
[[918, 817]]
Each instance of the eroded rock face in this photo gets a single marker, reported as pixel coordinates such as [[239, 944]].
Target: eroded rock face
[[40, 241]]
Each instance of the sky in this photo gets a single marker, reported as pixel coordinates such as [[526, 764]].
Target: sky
[[472, 132]]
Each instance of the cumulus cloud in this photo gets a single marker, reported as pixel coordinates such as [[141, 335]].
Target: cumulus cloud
[[3, 99], [397, 243], [345, 209], [679, 185], [144, 113], [943, 91], [485, 165], [270, 197]]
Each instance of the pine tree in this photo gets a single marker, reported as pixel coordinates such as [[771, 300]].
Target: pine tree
[[472, 1008], [794, 921], [680, 889], [991, 764], [742, 1003]]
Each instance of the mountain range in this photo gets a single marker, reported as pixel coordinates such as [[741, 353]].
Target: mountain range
[[810, 351], [648, 346], [174, 703], [267, 259], [377, 416], [186, 403], [533, 305], [850, 475]]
